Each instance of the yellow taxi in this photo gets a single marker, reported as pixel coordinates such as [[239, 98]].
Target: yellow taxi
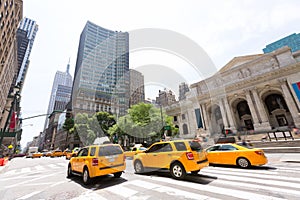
[[234, 154], [133, 151], [57, 153], [74, 152], [97, 160], [179, 157], [37, 155]]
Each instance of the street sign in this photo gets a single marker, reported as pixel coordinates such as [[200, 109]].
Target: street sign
[[167, 127]]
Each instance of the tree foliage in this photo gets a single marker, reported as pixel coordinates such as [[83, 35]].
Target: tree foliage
[[142, 121]]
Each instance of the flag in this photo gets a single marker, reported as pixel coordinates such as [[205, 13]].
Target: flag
[[296, 87], [13, 121]]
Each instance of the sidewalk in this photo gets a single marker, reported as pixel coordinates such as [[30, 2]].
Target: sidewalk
[[283, 157]]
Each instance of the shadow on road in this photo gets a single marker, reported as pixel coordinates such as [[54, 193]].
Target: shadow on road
[[99, 182], [195, 178], [265, 167]]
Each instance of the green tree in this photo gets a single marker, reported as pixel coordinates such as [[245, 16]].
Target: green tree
[[68, 126], [105, 120], [143, 121]]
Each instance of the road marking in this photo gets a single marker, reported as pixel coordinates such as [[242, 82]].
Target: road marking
[[122, 191], [40, 167], [24, 182], [62, 164], [168, 190], [251, 175], [28, 195], [25, 170], [213, 189], [89, 195], [254, 180], [53, 166]]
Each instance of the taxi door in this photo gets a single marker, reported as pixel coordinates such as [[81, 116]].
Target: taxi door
[[79, 161], [229, 154]]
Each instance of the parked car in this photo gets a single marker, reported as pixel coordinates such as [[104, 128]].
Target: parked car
[[74, 152], [234, 154], [134, 150], [179, 157], [97, 160]]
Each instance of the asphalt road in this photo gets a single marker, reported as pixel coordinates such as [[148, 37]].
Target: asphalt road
[[45, 178]]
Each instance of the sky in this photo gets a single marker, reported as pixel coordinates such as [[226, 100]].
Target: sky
[[221, 30]]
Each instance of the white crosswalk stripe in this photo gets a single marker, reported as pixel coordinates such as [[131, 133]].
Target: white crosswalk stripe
[[36, 168], [226, 183]]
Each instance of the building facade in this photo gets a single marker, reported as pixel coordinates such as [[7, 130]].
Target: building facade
[[11, 13], [25, 46], [256, 92], [60, 93], [137, 88], [292, 41], [183, 89], [101, 78], [165, 98]]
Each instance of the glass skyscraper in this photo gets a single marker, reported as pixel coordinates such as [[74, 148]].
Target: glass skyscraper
[[101, 78], [292, 41], [25, 37]]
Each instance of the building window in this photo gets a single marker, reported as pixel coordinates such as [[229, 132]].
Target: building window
[[183, 116]]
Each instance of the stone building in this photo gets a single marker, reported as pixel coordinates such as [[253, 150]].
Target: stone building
[[255, 92]]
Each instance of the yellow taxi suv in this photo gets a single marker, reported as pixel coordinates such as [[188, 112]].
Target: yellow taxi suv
[[97, 160], [179, 157], [234, 154]]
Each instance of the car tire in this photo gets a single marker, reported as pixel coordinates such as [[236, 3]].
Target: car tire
[[69, 172], [138, 167], [243, 162], [177, 171], [118, 174], [86, 176]]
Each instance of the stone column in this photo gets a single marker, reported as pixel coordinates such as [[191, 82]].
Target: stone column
[[204, 117], [264, 124], [228, 111], [224, 116], [260, 108], [251, 107], [289, 101]]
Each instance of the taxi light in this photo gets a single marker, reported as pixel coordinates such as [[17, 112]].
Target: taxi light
[[259, 153], [95, 162], [190, 155]]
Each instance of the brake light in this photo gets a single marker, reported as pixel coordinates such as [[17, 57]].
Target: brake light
[[94, 161], [124, 157], [190, 156], [259, 153]]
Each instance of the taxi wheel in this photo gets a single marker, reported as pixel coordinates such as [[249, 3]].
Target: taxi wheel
[[86, 176], [177, 171], [69, 173], [118, 174], [243, 162], [138, 167]]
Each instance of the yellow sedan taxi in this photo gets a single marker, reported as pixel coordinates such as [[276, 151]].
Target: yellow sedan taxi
[[97, 160], [234, 154], [37, 155], [134, 151]]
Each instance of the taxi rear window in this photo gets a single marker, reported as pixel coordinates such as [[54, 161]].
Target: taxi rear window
[[110, 150], [195, 146]]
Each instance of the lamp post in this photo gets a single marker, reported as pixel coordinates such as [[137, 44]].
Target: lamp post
[[3, 132]]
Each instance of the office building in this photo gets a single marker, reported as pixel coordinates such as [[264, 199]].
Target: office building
[[137, 88], [183, 89], [25, 37], [60, 93], [101, 78], [165, 98], [292, 41]]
